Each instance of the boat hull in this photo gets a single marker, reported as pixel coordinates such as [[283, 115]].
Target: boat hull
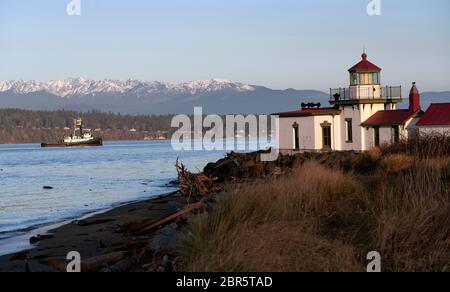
[[94, 143]]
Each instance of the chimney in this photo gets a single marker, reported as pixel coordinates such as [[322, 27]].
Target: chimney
[[414, 99]]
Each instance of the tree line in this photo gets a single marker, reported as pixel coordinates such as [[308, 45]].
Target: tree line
[[24, 126]]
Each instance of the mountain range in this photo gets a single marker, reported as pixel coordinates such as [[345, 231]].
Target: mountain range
[[154, 97]]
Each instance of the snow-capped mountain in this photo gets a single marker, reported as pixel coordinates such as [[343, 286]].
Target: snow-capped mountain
[[82, 87], [152, 97]]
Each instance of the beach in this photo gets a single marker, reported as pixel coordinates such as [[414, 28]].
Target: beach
[[47, 189], [92, 237]]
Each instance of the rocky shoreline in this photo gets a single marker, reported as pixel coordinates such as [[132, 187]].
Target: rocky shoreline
[[95, 237], [145, 236]]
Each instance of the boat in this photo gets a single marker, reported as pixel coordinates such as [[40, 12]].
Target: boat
[[75, 140]]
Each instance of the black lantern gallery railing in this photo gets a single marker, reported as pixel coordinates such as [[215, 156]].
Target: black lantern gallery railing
[[365, 93]]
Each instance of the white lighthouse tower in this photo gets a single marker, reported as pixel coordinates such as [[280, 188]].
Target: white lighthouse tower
[[363, 98], [365, 87]]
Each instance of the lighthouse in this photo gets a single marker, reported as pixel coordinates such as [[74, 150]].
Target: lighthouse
[[365, 87], [361, 116], [364, 97]]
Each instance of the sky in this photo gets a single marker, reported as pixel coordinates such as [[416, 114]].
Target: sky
[[302, 44]]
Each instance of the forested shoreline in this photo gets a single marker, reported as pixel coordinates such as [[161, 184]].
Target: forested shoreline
[[23, 126]]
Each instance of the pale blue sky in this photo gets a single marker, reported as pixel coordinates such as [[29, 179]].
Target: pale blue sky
[[277, 43]]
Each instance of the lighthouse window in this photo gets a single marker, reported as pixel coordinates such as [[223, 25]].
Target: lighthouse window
[[376, 136], [354, 79], [396, 134], [296, 135], [375, 78], [368, 78], [364, 79], [326, 136], [349, 124]]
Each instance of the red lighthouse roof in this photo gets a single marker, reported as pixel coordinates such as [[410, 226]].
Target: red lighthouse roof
[[389, 118], [364, 66], [437, 115]]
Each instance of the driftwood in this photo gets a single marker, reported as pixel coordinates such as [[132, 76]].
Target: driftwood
[[89, 265], [172, 217], [84, 223], [137, 243], [135, 226], [38, 238], [57, 264], [195, 184], [20, 256], [95, 263]]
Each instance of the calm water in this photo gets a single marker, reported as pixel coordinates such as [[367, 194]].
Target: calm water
[[84, 181]]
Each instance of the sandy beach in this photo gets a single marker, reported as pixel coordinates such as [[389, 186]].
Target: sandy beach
[[92, 237]]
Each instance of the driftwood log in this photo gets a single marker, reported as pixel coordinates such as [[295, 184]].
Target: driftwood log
[[195, 184], [95, 263], [138, 243], [172, 217], [88, 265], [135, 226]]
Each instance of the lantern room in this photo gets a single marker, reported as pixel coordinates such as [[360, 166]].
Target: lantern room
[[365, 87], [364, 73]]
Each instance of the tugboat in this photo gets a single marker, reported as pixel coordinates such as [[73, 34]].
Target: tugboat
[[83, 140]]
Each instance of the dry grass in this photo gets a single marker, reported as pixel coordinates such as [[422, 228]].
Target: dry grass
[[276, 225], [282, 247], [421, 146], [396, 163], [319, 219], [413, 219]]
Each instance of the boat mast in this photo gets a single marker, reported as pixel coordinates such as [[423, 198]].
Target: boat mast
[[81, 127], [78, 125], [74, 128]]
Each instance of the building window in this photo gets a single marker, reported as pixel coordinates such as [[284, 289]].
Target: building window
[[349, 125], [326, 136], [296, 136], [396, 134], [376, 136]]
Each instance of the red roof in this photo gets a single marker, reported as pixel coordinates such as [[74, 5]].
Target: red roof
[[388, 118], [365, 66], [438, 114], [310, 112]]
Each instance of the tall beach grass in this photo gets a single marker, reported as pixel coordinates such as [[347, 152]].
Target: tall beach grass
[[320, 219]]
